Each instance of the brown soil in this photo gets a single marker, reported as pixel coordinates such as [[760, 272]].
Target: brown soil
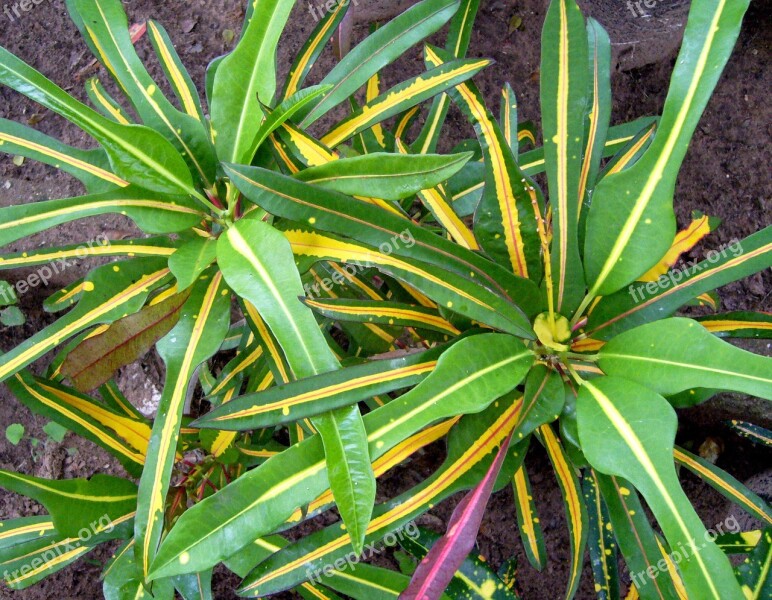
[[725, 174]]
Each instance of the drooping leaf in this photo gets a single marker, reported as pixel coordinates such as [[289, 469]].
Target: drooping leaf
[[273, 287]]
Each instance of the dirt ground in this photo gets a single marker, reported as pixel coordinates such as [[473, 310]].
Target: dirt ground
[[726, 174]]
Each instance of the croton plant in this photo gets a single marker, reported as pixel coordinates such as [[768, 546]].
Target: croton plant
[[330, 295]]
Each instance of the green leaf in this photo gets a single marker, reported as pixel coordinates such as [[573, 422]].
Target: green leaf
[[91, 167], [469, 376], [122, 579], [674, 355], [12, 317], [600, 538], [244, 79], [273, 287], [152, 213], [387, 176], [7, 294], [628, 430], [621, 246], [191, 259], [564, 70], [319, 393], [381, 48], [14, 433], [55, 431], [138, 154], [198, 334], [98, 503]]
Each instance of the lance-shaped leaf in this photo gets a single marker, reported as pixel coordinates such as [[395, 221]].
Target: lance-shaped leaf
[[726, 485], [246, 77], [110, 292], [76, 503], [91, 167], [445, 288], [273, 288], [124, 437], [151, 212], [674, 355], [528, 520], [201, 328], [459, 35], [104, 27], [564, 70], [176, 73], [319, 393], [622, 244], [24, 529], [387, 176], [313, 47], [600, 541], [387, 313], [635, 536], [381, 48], [404, 96], [296, 201], [367, 581], [194, 586], [576, 512], [436, 570], [468, 377], [137, 154], [645, 302], [598, 117], [505, 222], [470, 453], [754, 572], [95, 360], [739, 324], [58, 259], [628, 430]]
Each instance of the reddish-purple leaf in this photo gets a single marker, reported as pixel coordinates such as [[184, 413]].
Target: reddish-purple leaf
[[436, 570], [95, 360]]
